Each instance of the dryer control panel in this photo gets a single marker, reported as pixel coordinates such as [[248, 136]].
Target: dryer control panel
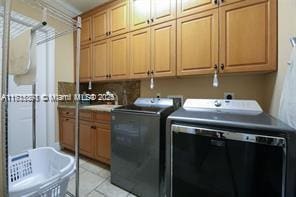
[[247, 106]]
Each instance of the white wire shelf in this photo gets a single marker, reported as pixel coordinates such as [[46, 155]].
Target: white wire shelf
[[20, 23]]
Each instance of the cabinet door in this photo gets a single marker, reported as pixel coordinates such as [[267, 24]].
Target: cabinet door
[[100, 25], [227, 2], [163, 52], [100, 60], [86, 138], [119, 18], [140, 53], [248, 37], [85, 63], [197, 43], [163, 11], [86, 30], [139, 14], [188, 7], [119, 57], [103, 144], [67, 130]]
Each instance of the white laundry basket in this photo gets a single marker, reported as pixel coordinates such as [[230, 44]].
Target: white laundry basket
[[42, 172]]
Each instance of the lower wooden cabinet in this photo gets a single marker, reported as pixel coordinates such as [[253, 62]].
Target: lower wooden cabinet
[[103, 144], [95, 133], [86, 138], [67, 126]]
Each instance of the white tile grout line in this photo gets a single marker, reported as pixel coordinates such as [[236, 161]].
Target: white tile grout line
[[98, 184], [128, 193], [105, 179], [86, 169]]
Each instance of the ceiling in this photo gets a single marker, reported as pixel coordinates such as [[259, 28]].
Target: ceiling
[[84, 5]]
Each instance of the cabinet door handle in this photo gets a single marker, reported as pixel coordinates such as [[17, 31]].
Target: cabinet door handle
[[106, 76], [67, 119], [216, 67], [152, 72], [67, 112], [148, 21], [93, 127], [152, 20], [107, 33], [222, 67], [148, 72], [215, 2], [89, 38], [222, 1]]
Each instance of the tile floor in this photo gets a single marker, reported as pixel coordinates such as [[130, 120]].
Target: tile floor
[[95, 181]]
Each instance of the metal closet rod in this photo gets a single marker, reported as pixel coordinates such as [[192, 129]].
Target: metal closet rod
[[42, 24], [293, 41], [4, 91], [55, 36]]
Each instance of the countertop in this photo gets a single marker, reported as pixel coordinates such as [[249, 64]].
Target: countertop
[[100, 108]]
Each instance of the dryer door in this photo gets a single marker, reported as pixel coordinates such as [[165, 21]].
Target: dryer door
[[215, 163]]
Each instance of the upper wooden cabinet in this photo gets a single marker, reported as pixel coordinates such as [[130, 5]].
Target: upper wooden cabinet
[[248, 37], [100, 64], [153, 51], [139, 14], [119, 57], [235, 35], [100, 25], [188, 7], [110, 58], [163, 49], [140, 53], [197, 41], [119, 18], [86, 30], [85, 63], [162, 11], [111, 21], [151, 12], [227, 2]]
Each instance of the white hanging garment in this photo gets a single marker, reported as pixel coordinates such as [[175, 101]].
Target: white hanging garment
[[19, 61], [30, 77], [287, 110]]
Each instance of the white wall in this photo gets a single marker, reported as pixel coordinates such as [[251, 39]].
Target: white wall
[[244, 86], [287, 29], [64, 54]]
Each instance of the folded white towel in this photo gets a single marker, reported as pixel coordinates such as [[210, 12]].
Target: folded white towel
[[29, 77], [19, 61]]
